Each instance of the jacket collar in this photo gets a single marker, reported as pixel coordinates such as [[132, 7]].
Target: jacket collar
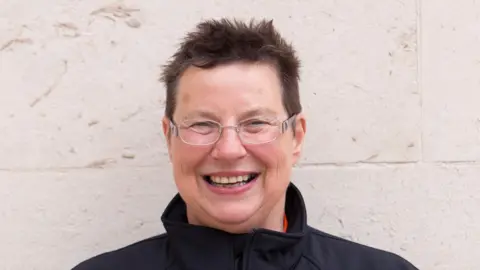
[[197, 247]]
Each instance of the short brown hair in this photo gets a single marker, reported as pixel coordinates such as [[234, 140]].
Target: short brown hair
[[224, 41]]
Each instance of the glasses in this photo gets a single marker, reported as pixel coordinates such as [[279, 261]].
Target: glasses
[[253, 131]]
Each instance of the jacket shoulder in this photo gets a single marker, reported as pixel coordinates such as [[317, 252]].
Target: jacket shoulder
[[146, 254], [338, 253]]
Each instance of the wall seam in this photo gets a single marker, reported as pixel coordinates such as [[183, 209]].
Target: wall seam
[[420, 76]]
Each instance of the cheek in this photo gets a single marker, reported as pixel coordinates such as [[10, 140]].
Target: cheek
[[275, 158], [186, 159], [274, 155]]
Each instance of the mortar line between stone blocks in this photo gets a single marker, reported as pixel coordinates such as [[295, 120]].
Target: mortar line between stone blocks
[[352, 165], [420, 75], [77, 168], [391, 164], [346, 165]]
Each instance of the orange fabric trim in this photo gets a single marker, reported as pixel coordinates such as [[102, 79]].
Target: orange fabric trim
[[285, 223]]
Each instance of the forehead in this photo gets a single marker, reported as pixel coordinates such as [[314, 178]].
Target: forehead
[[230, 90]]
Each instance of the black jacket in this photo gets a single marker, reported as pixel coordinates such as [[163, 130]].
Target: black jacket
[[188, 247]]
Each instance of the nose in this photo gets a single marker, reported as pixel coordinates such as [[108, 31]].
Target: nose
[[228, 146]]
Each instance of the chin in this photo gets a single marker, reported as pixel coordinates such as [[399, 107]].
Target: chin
[[231, 213]]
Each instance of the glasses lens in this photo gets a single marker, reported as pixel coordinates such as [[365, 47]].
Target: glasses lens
[[257, 135], [191, 136], [248, 134]]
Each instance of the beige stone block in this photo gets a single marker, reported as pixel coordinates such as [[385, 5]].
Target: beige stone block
[[359, 82], [450, 80], [426, 213], [83, 91], [55, 219]]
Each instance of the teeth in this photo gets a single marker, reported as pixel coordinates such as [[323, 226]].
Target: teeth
[[229, 180]]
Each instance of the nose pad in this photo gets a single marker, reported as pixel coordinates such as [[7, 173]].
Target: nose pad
[[229, 145], [230, 134]]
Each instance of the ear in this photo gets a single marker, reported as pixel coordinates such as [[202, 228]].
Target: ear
[[166, 128], [299, 137], [167, 133]]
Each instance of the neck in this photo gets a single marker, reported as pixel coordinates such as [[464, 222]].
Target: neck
[[273, 220]]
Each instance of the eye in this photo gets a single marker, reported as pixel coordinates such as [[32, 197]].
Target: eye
[[256, 123], [202, 124], [255, 126], [203, 127]]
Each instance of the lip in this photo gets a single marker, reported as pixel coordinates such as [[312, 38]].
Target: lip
[[231, 173], [231, 190]]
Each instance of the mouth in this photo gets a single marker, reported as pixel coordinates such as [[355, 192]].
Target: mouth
[[230, 181]]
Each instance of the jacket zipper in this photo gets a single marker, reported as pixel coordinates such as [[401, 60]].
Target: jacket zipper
[[246, 254]]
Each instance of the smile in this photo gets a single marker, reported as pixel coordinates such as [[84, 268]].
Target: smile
[[230, 181]]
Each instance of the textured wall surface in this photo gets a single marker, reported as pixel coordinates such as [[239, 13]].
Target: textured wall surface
[[391, 89]]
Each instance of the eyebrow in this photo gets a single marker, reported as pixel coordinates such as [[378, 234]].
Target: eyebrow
[[247, 114], [200, 113], [257, 112]]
